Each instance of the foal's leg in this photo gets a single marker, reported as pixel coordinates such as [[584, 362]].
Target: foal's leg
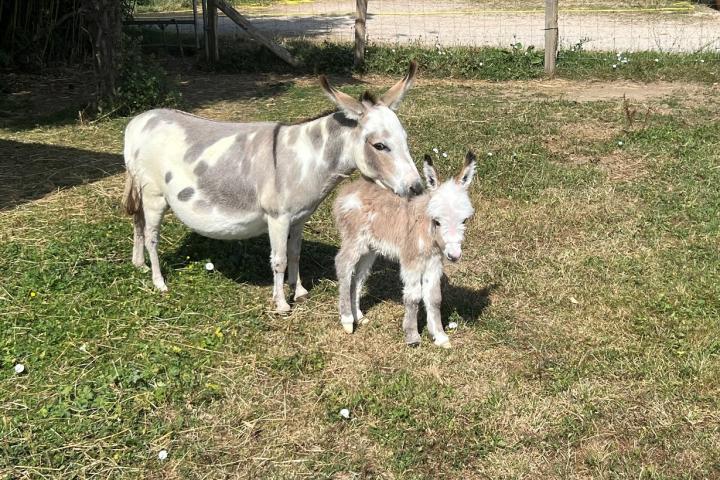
[[345, 262], [154, 207], [278, 229], [294, 244], [362, 270], [432, 297], [412, 294]]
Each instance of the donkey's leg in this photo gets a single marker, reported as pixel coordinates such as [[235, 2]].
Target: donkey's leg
[[154, 207], [294, 244], [138, 257], [345, 262], [279, 229], [412, 294], [432, 297], [362, 270]]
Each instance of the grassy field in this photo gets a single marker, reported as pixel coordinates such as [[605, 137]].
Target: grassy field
[[588, 302]]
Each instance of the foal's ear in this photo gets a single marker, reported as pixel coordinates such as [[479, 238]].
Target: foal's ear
[[468, 170], [431, 177], [350, 107], [394, 96]]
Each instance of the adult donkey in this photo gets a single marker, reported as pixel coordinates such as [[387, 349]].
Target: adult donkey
[[238, 180]]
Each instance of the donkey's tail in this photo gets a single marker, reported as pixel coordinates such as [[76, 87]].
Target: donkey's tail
[[132, 198]]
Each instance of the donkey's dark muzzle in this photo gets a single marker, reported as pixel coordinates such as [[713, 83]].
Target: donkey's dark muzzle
[[416, 189]]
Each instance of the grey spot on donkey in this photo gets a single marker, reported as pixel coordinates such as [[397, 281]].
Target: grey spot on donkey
[[185, 194]]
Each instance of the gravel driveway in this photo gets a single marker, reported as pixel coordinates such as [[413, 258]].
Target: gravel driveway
[[467, 23]]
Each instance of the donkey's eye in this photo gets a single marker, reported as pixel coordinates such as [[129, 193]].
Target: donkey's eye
[[436, 223], [380, 146]]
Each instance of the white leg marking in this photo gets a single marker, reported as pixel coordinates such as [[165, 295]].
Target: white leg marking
[[278, 229]]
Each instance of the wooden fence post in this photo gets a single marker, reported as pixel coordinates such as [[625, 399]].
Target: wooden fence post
[[226, 7], [360, 31], [551, 36], [211, 46]]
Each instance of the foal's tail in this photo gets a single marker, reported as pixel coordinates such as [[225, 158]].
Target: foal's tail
[[132, 198]]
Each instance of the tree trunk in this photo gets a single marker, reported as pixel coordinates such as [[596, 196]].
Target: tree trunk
[[104, 24]]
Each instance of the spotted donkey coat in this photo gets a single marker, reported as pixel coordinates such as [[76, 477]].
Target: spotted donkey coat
[[418, 232], [238, 180]]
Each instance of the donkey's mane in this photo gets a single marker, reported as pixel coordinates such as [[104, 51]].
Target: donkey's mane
[[367, 96], [314, 117]]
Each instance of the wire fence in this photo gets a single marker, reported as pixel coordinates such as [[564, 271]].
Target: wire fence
[[615, 26]]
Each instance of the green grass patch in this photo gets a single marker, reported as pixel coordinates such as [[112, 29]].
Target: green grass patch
[[516, 62], [586, 303]]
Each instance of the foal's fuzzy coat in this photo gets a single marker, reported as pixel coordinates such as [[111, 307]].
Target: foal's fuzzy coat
[[418, 233]]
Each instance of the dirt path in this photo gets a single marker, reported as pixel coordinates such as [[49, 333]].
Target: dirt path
[[467, 23]]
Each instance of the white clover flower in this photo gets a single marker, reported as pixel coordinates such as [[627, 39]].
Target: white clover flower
[[436, 150], [481, 64], [452, 325], [657, 60], [209, 267], [345, 413], [19, 368], [621, 143], [490, 154], [162, 454], [614, 65], [444, 154]]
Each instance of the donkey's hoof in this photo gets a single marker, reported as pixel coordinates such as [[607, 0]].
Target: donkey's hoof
[[414, 344], [282, 308], [348, 327], [300, 294], [160, 285], [443, 343], [413, 339]]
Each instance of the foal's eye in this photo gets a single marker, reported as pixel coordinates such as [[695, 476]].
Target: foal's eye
[[436, 223], [380, 146]]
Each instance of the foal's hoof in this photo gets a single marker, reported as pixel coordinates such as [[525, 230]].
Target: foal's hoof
[[443, 344], [414, 344], [348, 327]]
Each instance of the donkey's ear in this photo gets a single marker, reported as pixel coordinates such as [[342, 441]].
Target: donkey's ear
[[350, 107], [468, 170], [431, 177], [394, 96]]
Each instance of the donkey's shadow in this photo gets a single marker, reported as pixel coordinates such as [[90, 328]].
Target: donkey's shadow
[[248, 261], [384, 284]]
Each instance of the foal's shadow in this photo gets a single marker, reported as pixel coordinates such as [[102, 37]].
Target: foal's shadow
[[384, 284], [248, 261]]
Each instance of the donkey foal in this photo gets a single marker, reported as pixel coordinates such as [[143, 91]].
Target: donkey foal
[[417, 232]]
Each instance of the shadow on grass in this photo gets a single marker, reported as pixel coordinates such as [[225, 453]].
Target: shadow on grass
[[29, 171], [384, 284], [248, 261]]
